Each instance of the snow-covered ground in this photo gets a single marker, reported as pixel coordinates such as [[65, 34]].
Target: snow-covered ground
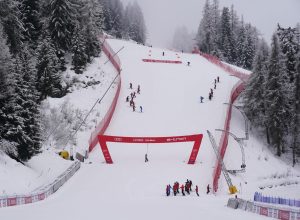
[[133, 189]]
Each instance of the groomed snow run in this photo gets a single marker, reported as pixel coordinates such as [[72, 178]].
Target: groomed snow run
[[134, 190]]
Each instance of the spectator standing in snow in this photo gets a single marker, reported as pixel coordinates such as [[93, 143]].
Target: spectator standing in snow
[[188, 63], [218, 79], [182, 189], [138, 89], [133, 107], [141, 109], [130, 85], [163, 53], [167, 190], [201, 99], [207, 189], [190, 185], [197, 190], [215, 86], [127, 99], [209, 96], [146, 158]]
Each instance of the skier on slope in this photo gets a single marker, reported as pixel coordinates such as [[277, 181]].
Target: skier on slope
[[207, 189], [201, 99], [130, 85], [138, 89], [141, 109]]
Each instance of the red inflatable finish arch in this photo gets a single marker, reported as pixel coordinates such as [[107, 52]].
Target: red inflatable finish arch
[[197, 138]]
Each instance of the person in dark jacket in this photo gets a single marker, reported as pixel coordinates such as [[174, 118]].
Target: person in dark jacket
[[207, 189], [197, 190]]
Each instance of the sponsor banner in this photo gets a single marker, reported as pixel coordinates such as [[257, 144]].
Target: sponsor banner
[[197, 138], [11, 201]]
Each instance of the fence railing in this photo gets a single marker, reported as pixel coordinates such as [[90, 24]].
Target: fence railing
[[235, 92], [266, 210], [258, 197], [103, 124], [40, 193]]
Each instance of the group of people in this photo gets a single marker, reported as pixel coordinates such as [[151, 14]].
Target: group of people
[[184, 188], [132, 96], [211, 93]]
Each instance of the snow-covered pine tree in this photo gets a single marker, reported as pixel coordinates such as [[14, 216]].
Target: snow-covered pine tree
[[204, 35], [6, 91], [30, 16], [290, 47], [61, 23], [240, 46], [137, 28], [254, 93], [10, 18], [48, 80], [276, 96], [216, 17], [226, 37], [91, 26], [79, 56], [113, 17], [296, 141], [249, 47], [23, 124]]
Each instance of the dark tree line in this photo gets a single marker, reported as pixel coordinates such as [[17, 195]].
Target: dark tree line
[[37, 37], [272, 95], [222, 34]]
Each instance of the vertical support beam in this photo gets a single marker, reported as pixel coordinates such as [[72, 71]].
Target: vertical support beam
[[105, 150], [195, 150]]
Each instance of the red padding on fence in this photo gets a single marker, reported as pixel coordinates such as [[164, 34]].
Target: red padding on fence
[[237, 89], [235, 92], [162, 61], [197, 138], [102, 126]]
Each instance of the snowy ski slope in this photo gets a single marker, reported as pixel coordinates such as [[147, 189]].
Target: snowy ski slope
[[130, 188]]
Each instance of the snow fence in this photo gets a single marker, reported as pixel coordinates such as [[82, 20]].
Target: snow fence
[[266, 210], [103, 124], [235, 92], [258, 197], [40, 193]]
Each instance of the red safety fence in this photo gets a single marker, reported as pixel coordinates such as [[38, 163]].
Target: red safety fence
[[235, 92], [162, 61], [218, 62], [102, 126], [197, 138]]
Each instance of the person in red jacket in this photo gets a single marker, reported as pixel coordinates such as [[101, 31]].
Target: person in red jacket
[[182, 189], [197, 190]]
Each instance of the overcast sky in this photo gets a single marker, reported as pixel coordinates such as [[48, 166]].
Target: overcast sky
[[163, 16]]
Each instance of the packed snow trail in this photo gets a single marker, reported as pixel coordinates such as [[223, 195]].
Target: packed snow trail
[[131, 188]]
